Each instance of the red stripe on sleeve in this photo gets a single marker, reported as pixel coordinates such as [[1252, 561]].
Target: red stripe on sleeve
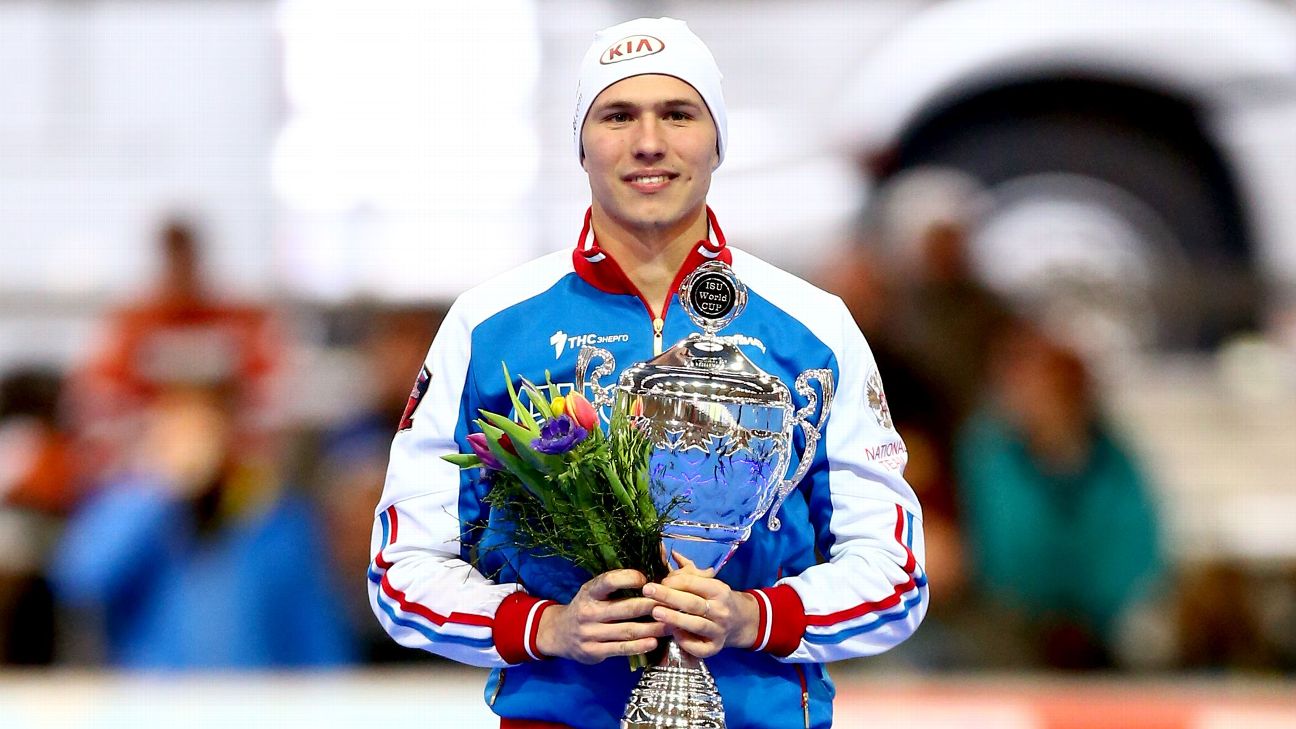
[[762, 618], [426, 612], [510, 629], [890, 601], [535, 629], [887, 602], [910, 561], [391, 517], [788, 620]]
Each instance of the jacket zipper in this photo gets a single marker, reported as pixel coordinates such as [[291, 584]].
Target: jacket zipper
[[658, 321], [500, 684], [805, 695]]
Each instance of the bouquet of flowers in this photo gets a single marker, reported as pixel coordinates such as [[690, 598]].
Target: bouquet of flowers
[[572, 490]]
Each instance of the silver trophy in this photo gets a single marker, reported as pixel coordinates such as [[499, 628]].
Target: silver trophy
[[721, 430]]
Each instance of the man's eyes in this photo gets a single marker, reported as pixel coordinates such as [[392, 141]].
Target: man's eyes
[[622, 117]]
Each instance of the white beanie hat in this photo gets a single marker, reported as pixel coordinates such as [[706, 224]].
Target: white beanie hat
[[650, 45]]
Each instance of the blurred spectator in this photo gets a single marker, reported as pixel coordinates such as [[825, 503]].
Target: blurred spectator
[[942, 316], [36, 489], [352, 462], [179, 333], [192, 557], [1221, 621], [920, 409], [1061, 529]]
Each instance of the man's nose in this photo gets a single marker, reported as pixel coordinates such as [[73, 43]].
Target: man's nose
[[649, 142]]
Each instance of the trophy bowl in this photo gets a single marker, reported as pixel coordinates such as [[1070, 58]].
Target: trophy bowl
[[721, 443], [721, 431]]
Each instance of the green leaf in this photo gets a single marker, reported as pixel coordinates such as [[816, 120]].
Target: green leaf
[[553, 389], [522, 438], [523, 414], [537, 398], [463, 460], [533, 479], [614, 482]]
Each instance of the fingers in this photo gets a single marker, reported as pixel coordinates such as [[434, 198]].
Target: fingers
[[698, 645], [602, 586], [693, 602], [633, 647], [627, 609], [598, 652], [681, 621], [593, 627], [697, 584], [687, 566], [611, 633]]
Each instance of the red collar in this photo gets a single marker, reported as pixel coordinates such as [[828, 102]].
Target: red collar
[[597, 267]]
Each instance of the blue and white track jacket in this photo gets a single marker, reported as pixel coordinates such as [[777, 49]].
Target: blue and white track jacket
[[842, 578]]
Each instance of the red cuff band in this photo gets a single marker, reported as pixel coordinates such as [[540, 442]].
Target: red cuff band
[[517, 621], [782, 620]]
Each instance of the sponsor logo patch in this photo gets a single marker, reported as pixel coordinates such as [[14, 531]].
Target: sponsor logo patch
[[416, 397], [635, 46], [877, 400], [562, 341]]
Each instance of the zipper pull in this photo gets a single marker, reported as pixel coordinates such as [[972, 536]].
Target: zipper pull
[[658, 325]]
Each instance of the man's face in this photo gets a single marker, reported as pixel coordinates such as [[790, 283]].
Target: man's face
[[650, 147]]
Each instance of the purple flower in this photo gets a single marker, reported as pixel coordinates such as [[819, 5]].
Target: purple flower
[[477, 441], [559, 435]]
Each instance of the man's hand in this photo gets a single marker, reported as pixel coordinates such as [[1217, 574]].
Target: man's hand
[[591, 627], [704, 614]]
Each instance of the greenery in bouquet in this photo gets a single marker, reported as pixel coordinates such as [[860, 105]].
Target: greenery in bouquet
[[571, 489]]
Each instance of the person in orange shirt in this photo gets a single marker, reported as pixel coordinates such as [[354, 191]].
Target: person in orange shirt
[[180, 334]]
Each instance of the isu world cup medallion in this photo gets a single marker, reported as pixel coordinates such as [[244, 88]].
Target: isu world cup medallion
[[721, 430]]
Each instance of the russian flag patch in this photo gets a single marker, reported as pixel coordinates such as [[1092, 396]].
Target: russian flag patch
[[416, 396]]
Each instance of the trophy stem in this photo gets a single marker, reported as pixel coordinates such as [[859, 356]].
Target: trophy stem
[[677, 693]]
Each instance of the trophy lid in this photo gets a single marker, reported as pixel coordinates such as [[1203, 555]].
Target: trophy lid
[[704, 365], [708, 367]]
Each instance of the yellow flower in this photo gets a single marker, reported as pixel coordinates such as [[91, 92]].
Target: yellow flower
[[558, 406]]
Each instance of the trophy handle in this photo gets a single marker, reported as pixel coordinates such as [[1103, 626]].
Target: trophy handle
[[602, 396], [811, 430]]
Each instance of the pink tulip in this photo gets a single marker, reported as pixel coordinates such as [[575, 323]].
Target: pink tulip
[[477, 441], [581, 410]]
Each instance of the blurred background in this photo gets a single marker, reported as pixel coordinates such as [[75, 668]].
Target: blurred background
[[229, 230]]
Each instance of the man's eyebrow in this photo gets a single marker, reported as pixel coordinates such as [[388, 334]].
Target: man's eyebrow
[[616, 104], [622, 104]]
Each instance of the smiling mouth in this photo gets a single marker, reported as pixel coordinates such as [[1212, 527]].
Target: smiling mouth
[[650, 181]]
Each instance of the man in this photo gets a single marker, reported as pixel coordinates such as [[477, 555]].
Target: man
[[650, 129], [186, 558], [181, 331]]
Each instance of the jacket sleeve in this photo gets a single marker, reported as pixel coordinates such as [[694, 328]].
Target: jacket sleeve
[[423, 586], [870, 592]]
